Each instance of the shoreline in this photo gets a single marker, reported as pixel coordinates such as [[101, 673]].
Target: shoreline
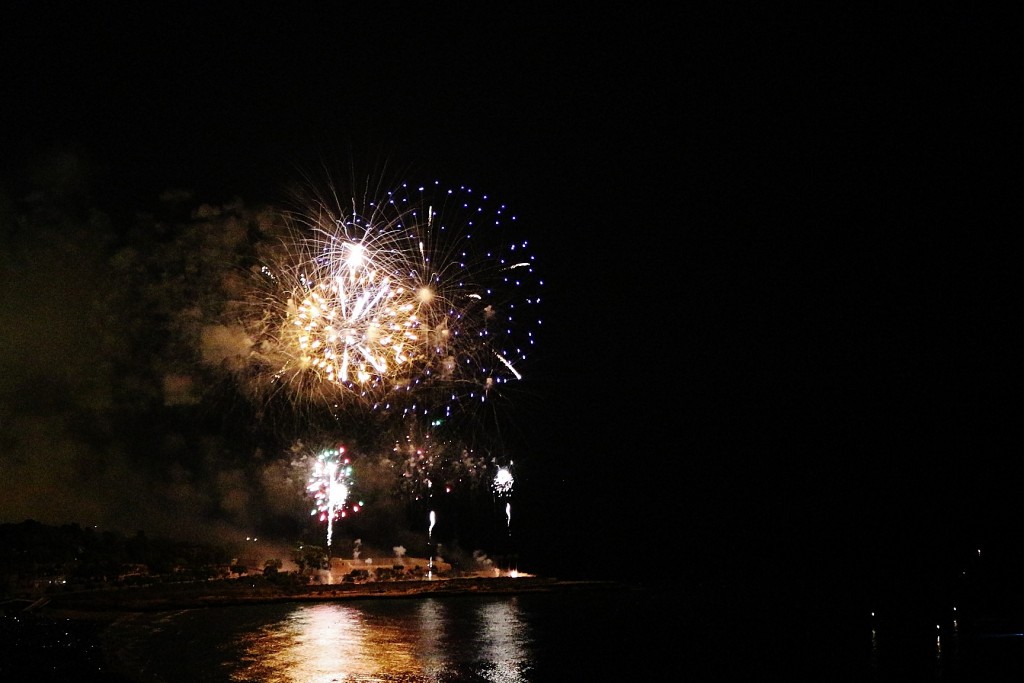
[[110, 604], [63, 635]]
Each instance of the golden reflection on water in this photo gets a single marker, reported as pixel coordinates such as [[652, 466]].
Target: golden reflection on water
[[501, 639], [333, 642]]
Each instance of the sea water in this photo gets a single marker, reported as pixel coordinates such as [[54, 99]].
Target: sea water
[[510, 639], [602, 635]]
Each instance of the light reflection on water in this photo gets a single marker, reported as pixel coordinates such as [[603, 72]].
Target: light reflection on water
[[525, 638], [420, 640], [502, 642], [537, 638]]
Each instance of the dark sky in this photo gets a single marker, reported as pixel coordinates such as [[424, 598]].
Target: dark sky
[[779, 292]]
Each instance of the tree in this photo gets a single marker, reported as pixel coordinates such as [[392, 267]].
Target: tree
[[310, 557]]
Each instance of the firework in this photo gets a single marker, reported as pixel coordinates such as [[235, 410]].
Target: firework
[[418, 301], [429, 465], [503, 481], [487, 291], [338, 326], [330, 484], [408, 316]]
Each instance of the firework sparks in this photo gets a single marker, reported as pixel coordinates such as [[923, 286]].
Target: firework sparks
[[431, 466], [338, 324], [485, 279], [503, 481], [330, 485], [418, 300]]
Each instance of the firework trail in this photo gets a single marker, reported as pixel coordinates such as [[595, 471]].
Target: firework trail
[[502, 486], [330, 484]]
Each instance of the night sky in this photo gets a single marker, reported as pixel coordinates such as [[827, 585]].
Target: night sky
[[778, 327]]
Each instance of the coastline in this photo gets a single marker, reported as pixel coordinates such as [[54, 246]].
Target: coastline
[[61, 636], [108, 605]]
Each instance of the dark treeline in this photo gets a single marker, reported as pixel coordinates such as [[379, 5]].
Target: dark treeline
[[32, 551]]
